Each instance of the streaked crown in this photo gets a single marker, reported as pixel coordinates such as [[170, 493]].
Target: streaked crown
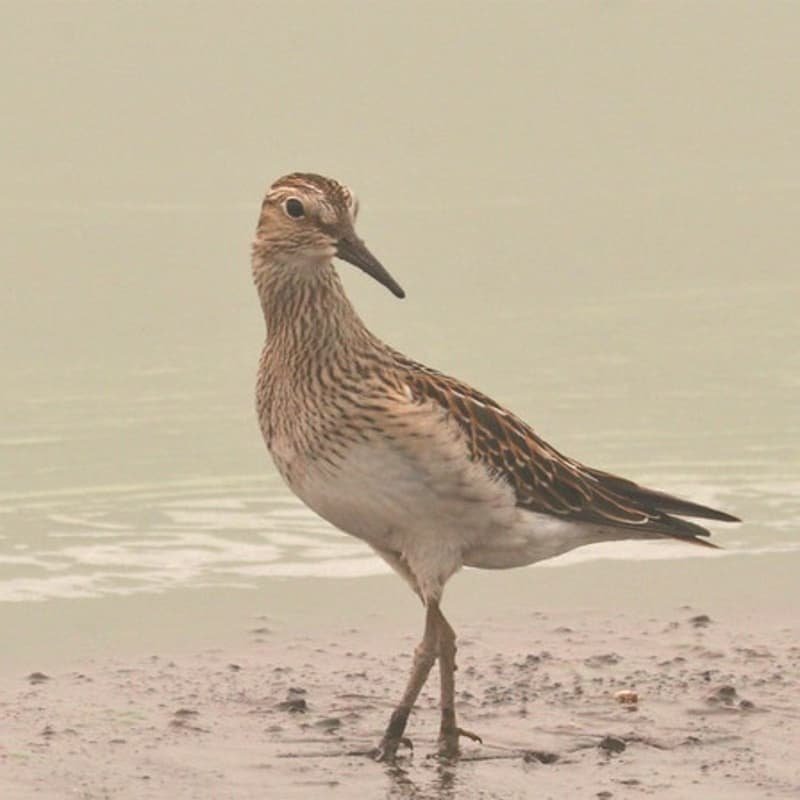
[[320, 197]]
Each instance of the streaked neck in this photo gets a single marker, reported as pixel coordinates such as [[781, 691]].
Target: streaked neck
[[306, 310]]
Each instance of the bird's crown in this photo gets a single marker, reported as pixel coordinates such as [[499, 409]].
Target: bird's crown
[[306, 220], [306, 195]]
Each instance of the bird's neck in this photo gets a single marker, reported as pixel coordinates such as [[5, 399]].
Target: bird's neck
[[306, 310]]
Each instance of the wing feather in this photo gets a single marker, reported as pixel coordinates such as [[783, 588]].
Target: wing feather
[[546, 481]]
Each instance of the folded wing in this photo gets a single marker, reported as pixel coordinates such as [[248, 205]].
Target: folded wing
[[548, 482]]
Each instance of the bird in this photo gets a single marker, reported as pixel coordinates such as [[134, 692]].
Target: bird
[[432, 474]]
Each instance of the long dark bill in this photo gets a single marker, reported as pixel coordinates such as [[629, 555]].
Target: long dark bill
[[354, 251]]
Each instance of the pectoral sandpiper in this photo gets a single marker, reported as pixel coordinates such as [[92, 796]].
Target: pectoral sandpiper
[[432, 474]]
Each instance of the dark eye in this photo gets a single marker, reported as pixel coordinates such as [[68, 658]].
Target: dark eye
[[294, 208]]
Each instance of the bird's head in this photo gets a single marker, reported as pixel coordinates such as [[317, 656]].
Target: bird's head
[[307, 220]]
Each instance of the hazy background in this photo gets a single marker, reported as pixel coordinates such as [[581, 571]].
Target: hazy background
[[593, 209]]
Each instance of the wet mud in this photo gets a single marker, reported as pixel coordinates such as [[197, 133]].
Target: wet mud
[[583, 706]]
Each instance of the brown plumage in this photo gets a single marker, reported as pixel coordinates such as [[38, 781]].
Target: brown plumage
[[546, 481], [431, 473]]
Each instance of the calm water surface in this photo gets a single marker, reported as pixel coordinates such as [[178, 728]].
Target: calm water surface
[[614, 258]]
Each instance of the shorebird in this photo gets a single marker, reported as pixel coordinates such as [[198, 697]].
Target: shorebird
[[429, 472]]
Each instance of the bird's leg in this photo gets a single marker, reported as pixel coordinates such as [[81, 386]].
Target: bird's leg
[[424, 656], [449, 732]]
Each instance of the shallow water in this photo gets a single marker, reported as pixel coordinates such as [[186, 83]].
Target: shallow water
[[119, 540], [615, 262]]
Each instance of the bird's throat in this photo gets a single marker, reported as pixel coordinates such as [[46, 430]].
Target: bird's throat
[[307, 312]]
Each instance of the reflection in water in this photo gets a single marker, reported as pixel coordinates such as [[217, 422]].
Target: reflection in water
[[443, 784]]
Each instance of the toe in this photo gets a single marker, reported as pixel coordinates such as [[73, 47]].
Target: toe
[[386, 751], [470, 735]]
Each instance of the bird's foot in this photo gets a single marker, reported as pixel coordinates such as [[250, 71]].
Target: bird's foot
[[448, 741], [386, 751]]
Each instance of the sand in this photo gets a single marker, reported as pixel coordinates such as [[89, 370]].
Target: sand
[[583, 705]]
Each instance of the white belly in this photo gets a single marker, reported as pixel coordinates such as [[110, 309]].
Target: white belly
[[379, 493], [426, 512], [429, 510]]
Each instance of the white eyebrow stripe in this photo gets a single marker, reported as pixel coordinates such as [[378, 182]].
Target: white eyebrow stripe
[[323, 200]]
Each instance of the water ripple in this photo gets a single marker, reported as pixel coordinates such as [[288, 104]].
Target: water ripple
[[122, 540]]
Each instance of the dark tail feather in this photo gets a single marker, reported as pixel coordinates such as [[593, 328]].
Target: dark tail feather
[[660, 501], [682, 527], [685, 531], [704, 543]]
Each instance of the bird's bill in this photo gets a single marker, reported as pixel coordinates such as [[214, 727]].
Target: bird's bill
[[355, 252]]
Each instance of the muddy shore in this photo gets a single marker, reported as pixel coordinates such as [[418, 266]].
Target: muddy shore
[[587, 705]]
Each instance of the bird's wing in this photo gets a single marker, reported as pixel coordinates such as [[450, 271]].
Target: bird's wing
[[543, 479]]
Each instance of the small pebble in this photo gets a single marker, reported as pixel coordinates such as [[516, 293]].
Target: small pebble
[[627, 697], [722, 695], [612, 745], [294, 705]]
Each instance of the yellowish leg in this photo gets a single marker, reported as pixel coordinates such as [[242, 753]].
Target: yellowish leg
[[424, 656], [449, 732]]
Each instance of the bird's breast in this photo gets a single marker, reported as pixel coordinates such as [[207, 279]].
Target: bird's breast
[[389, 486]]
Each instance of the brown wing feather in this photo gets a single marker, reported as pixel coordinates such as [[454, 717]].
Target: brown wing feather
[[546, 481]]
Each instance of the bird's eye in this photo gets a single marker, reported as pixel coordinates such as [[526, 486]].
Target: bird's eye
[[294, 208]]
